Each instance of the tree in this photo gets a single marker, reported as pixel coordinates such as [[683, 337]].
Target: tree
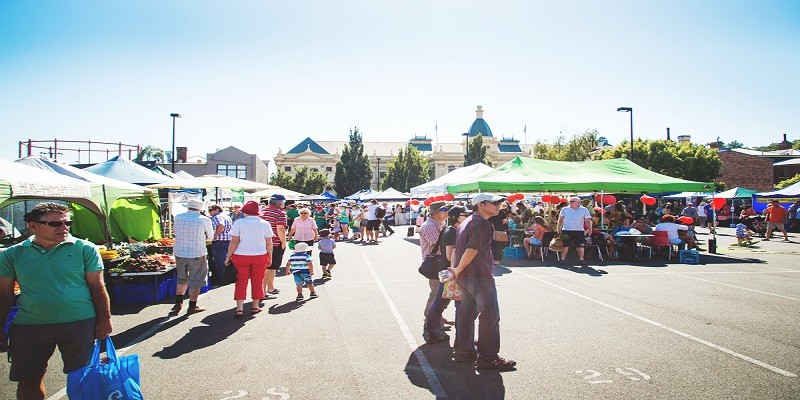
[[578, 148], [281, 179], [150, 153], [304, 181], [735, 145], [408, 169], [353, 172], [681, 160], [791, 181], [476, 152]]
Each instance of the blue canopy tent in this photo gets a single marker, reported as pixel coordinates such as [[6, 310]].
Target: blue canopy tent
[[785, 196]]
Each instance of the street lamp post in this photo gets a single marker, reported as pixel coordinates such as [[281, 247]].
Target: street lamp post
[[173, 115], [466, 147], [378, 167], [629, 110]]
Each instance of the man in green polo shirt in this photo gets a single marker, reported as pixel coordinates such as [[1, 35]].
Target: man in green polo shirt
[[63, 300]]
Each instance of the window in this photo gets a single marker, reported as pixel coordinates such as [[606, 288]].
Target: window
[[314, 169], [451, 168], [328, 169], [383, 174], [287, 168], [236, 171]]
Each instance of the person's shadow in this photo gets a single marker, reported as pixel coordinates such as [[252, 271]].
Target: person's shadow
[[285, 308], [218, 327], [432, 367]]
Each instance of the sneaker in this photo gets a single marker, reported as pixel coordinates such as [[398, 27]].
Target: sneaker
[[313, 295], [274, 291], [270, 297], [195, 310], [431, 339], [299, 297], [326, 274], [498, 363]]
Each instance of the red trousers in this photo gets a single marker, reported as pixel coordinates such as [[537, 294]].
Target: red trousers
[[249, 268]]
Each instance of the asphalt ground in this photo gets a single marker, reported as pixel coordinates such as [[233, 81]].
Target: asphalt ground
[[655, 329]]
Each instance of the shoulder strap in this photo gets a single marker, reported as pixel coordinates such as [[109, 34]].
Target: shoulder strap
[[438, 242]]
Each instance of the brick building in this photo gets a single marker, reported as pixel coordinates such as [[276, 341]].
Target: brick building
[[758, 170]]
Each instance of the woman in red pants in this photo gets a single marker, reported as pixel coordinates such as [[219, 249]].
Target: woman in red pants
[[250, 251]]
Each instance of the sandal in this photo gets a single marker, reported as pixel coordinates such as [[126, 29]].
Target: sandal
[[256, 310], [238, 314]]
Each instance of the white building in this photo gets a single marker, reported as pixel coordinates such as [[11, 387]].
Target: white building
[[321, 156]]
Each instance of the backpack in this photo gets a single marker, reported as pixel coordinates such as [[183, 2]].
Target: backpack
[[380, 212]]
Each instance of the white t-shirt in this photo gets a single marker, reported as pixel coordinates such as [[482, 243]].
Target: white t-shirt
[[573, 218], [672, 229], [254, 234], [371, 212]]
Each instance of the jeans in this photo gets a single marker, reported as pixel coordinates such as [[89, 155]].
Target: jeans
[[433, 324], [478, 300], [219, 250]]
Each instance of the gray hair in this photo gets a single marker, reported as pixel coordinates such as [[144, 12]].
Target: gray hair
[[275, 202]]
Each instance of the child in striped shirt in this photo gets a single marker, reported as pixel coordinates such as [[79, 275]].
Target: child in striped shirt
[[301, 266]]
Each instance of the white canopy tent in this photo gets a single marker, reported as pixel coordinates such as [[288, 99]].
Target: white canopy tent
[[288, 194], [458, 175], [388, 194]]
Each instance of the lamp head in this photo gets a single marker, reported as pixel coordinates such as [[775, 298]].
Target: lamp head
[[625, 109], [174, 115]]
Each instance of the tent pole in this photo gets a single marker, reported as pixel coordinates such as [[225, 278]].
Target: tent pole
[[603, 208]]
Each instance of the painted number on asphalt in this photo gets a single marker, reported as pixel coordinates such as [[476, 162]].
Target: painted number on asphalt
[[272, 394], [593, 377]]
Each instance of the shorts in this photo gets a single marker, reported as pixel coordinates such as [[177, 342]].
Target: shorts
[[576, 238], [193, 271], [364, 223], [775, 225], [326, 258], [302, 277], [31, 346], [277, 258], [535, 242], [373, 225]]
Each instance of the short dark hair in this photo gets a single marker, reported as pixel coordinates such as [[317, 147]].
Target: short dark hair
[[324, 232], [42, 209], [214, 207]]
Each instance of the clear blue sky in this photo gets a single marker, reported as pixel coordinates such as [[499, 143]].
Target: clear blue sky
[[262, 74]]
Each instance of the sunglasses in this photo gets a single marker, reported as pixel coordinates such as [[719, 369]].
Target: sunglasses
[[443, 209], [55, 224]]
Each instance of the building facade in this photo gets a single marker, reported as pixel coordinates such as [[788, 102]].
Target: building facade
[[229, 161], [321, 156], [757, 170]]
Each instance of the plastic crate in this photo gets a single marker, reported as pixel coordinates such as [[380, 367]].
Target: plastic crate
[[203, 289], [689, 257], [514, 253], [141, 293]]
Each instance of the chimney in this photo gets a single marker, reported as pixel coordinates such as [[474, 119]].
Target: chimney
[[684, 138], [785, 144], [668, 133], [181, 154]]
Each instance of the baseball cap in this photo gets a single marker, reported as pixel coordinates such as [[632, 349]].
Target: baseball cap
[[455, 211], [481, 197], [278, 196]]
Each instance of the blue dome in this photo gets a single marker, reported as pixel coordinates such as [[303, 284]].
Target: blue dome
[[480, 127]]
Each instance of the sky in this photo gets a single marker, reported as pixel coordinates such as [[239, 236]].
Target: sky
[[264, 75]]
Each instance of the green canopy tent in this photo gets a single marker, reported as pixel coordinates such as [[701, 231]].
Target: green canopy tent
[[620, 175], [20, 182], [132, 210]]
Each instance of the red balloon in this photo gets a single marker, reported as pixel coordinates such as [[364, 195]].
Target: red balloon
[[427, 202], [609, 199], [408, 202], [449, 197], [648, 200], [597, 198], [718, 202], [555, 200], [519, 196], [546, 198], [415, 202], [686, 220]]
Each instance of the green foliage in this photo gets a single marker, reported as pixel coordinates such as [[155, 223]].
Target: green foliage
[[788, 182], [774, 146], [304, 181], [720, 186], [408, 169], [353, 172], [150, 153], [476, 152], [578, 148], [686, 160], [735, 145]]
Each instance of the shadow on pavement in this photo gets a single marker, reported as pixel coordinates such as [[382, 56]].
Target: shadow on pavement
[[456, 380], [412, 240], [285, 308], [218, 327]]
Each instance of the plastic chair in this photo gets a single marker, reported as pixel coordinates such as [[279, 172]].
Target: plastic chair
[[546, 239], [661, 239]]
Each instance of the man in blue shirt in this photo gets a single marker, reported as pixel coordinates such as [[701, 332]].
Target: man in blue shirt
[[221, 224]]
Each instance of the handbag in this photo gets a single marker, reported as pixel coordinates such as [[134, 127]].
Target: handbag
[[116, 379], [500, 236], [291, 244], [557, 244], [434, 262], [451, 290], [229, 273]]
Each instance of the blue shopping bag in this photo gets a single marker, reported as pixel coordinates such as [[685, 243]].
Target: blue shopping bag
[[116, 379]]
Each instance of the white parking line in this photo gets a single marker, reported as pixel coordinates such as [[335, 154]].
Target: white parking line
[[733, 286], [430, 375], [667, 328]]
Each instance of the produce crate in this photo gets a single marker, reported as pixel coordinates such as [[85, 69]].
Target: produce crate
[[514, 253], [142, 293], [203, 289], [689, 257]]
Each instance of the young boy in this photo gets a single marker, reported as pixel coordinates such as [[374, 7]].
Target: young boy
[[301, 267], [326, 246], [743, 237]]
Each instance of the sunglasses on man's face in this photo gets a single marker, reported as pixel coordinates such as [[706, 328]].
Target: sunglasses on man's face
[[55, 224]]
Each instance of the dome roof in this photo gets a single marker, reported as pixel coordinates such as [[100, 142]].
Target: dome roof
[[479, 127]]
